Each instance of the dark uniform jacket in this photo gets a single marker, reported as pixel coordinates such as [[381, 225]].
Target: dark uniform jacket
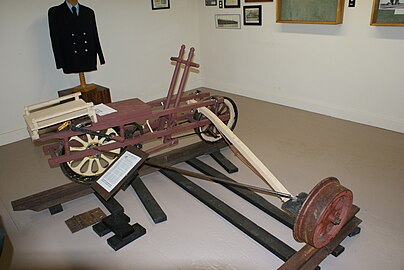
[[75, 41]]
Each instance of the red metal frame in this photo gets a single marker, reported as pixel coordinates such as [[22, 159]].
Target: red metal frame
[[166, 117]]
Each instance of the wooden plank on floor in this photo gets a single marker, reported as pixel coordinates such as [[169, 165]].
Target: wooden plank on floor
[[68, 192], [264, 238], [224, 162], [148, 201], [246, 194], [48, 198]]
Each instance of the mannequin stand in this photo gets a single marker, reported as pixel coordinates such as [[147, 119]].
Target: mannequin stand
[[83, 87], [99, 94]]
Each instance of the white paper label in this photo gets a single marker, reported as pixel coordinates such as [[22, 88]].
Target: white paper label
[[102, 109], [118, 171]]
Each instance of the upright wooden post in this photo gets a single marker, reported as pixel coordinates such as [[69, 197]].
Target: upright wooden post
[[83, 87]]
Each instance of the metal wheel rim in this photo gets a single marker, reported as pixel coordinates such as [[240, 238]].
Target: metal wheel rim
[[323, 214]]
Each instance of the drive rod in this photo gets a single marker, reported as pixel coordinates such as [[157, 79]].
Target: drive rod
[[220, 180]]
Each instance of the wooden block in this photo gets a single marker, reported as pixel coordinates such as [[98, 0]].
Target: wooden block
[[117, 243], [337, 251], [101, 229], [99, 95], [56, 209], [84, 220], [119, 224]]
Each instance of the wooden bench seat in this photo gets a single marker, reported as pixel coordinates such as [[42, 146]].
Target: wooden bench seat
[[55, 111]]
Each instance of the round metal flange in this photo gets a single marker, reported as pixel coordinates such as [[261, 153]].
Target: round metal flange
[[323, 213]]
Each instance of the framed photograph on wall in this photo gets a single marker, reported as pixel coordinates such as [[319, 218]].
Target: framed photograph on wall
[[160, 4], [387, 13], [231, 3], [210, 2], [310, 11], [252, 15], [228, 21]]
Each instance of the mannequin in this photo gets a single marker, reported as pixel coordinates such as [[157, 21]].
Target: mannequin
[[75, 41], [73, 2]]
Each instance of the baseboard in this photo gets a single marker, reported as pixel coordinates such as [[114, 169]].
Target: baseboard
[[13, 136]]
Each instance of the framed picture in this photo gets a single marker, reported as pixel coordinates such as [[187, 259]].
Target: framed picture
[[252, 15], [310, 11], [387, 13], [160, 4], [231, 3], [210, 2], [228, 21], [252, 1]]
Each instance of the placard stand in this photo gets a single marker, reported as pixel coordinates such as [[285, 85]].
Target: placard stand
[[123, 168]]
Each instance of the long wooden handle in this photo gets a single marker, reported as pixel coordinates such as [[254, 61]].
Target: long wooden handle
[[267, 175]]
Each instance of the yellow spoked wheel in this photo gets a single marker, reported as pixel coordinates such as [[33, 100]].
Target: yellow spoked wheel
[[87, 169]]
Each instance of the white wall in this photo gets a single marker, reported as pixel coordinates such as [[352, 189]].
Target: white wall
[[352, 71], [137, 43]]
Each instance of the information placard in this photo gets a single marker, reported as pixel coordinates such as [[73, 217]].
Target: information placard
[[118, 173]]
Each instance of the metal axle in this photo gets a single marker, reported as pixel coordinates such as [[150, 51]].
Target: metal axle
[[221, 180]]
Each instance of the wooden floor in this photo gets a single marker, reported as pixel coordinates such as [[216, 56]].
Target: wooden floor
[[299, 147]]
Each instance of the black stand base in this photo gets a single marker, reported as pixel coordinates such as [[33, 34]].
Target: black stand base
[[117, 243], [118, 223]]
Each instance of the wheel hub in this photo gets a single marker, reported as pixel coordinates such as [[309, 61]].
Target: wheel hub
[[94, 146]]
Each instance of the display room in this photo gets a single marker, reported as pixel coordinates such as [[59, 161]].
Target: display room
[[196, 134]]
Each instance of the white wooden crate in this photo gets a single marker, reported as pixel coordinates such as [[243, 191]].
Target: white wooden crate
[[51, 112]]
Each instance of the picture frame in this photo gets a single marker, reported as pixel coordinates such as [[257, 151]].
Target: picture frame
[[387, 13], [252, 15], [228, 21], [231, 3], [255, 1], [310, 11], [160, 4], [210, 2]]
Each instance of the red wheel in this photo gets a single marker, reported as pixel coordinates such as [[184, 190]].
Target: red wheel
[[323, 213]]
